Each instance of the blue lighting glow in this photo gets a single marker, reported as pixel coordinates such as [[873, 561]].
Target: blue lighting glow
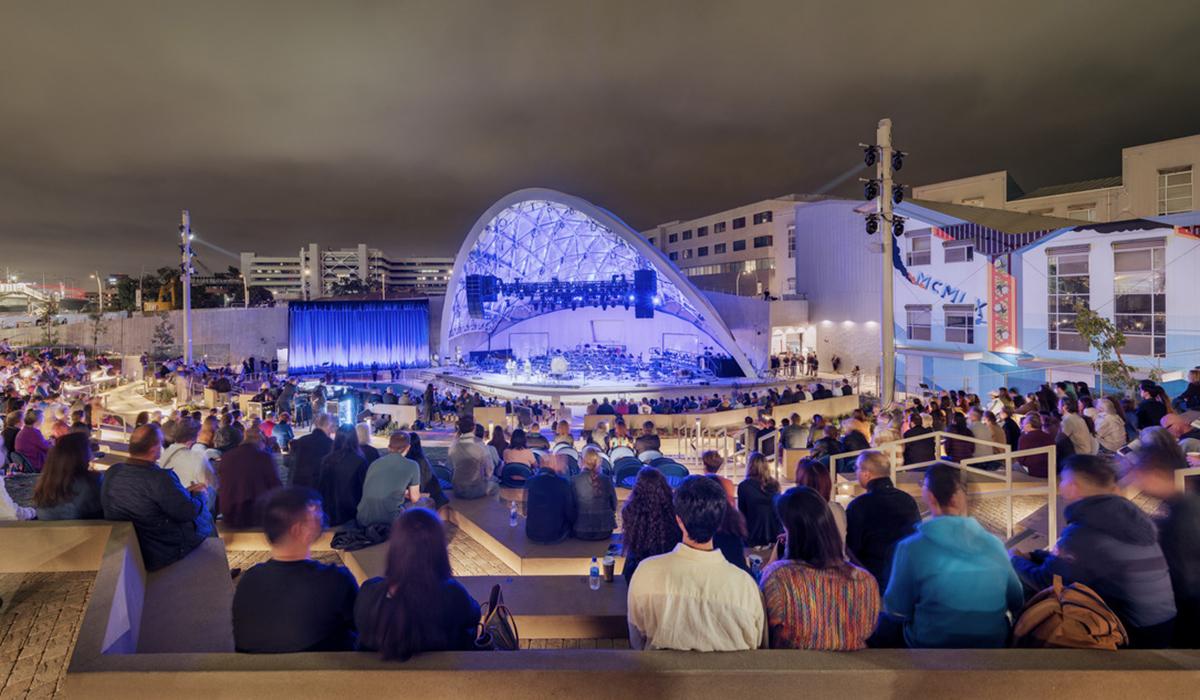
[[328, 336]]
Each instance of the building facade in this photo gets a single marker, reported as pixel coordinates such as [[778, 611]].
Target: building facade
[[748, 250], [315, 271], [1157, 179]]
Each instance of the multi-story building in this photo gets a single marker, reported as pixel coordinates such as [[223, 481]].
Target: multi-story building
[[314, 272], [1157, 179], [747, 250]]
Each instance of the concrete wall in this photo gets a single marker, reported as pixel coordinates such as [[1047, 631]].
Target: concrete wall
[[749, 320]]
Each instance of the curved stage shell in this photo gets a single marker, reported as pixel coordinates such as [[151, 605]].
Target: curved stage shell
[[540, 236]]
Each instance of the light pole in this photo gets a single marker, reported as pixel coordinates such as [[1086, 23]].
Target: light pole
[[246, 290], [883, 137], [382, 285], [99, 289], [185, 267], [737, 282]]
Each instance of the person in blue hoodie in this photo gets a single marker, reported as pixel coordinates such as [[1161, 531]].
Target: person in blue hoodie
[[951, 583], [1111, 546]]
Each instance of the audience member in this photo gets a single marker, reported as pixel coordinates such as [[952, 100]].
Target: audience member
[[814, 475], [1032, 436], [190, 465], [919, 451], [1110, 545], [342, 473], [292, 603], [713, 461], [755, 496], [550, 506], [648, 526], [692, 598], [951, 584], [392, 484], [169, 520], [246, 474], [67, 488], [879, 518], [470, 463], [429, 481], [518, 451], [814, 597], [417, 606], [30, 443], [309, 451], [596, 499]]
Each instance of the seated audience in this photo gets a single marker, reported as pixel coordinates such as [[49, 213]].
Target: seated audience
[[169, 520], [1075, 428], [534, 439], [417, 606], [518, 451], [951, 584], [470, 463], [1153, 407], [919, 451], [648, 526], [67, 488], [1152, 471], [879, 518], [814, 475], [342, 475], [30, 443], [429, 481], [190, 465], [1032, 436], [648, 441], [308, 452], [814, 597], [1110, 545], [713, 461], [392, 484], [828, 444], [692, 598], [292, 603], [550, 506], [1110, 426], [363, 432], [596, 499], [246, 474], [755, 496], [958, 450]]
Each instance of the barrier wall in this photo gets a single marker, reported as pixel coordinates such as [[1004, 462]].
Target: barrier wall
[[736, 418]]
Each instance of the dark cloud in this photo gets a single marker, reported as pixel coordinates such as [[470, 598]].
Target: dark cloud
[[397, 123]]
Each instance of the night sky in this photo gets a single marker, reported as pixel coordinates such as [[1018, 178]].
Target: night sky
[[397, 123]]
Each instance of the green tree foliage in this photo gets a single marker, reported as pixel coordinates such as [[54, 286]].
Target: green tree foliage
[[1107, 340], [162, 343]]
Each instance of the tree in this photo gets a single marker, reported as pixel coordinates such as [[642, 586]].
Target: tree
[[48, 320], [162, 344], [97, 328], [1107, 340], [349, 286], [261, 296]]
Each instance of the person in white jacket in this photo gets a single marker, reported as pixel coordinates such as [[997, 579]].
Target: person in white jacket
[[1110, 425]]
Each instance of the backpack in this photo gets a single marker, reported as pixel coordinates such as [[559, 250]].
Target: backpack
[[1068, 617]]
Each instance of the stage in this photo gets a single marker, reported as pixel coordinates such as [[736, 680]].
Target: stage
[[577, 391]]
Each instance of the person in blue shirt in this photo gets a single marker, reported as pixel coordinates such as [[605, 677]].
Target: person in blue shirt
[[951, 583]]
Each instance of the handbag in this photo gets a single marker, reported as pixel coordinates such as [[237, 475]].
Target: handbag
[[497, 628]]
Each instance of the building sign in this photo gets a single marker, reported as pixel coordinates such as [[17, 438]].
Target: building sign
[[1188, 231], [948, 293], [1002, 292]]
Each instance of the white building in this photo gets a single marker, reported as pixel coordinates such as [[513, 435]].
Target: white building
[[747, 250], [314, 271]]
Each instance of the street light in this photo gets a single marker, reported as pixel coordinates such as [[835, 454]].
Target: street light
[[737, 283], [99, 289]]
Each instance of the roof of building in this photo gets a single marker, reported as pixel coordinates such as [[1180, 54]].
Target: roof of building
[[1001, 220], [1098, 183]]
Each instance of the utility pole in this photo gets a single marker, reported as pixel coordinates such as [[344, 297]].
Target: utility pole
[[883, 138], [382, 284], [246, 290], [185, 268], [99, 290]]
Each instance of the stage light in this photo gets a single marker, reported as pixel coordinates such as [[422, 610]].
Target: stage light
[[872, 224], [657, 300], [897, 226], [897, 194], [870, 155], [898, 159], [871, 189]]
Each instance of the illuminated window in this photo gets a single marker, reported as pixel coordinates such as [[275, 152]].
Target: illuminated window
[[920, 321], [958, 251], [920, 249], [1139, 295], [960, 323], [763, 217], [1068, 282]]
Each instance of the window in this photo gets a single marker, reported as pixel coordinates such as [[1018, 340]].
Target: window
[[958, 251], [1082, 212], [718, 249], [960, 323], [1068, 281], [739, 222], [673, 255], [687, 235], [791, 241], [719, 227], [687, 254], [791, 285], [1139, 295], [1175, 190], [920, 249], [702, 252], [729, 268], [763, 241], [673, 238], [701, 231], [920, 321], [651, 241], [763, 217], [739, 245]]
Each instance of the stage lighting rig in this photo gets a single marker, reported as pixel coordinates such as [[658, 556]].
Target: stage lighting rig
[[872, 224], [897, 226], [897, 194], [870, 189]]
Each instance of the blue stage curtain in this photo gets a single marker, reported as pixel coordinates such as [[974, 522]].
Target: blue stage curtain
[[353, 335]]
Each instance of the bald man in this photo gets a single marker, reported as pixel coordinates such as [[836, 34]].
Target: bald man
[[170, 521], [879, 518]]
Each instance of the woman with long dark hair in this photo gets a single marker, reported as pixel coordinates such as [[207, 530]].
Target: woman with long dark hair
[[958, 450], [648, 520], [730, 538], [67, 488], [755, 495], [342, 474], [596, 516], [429, 482], [518, 451], [417, 606], [814, 475], [814, 597]]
